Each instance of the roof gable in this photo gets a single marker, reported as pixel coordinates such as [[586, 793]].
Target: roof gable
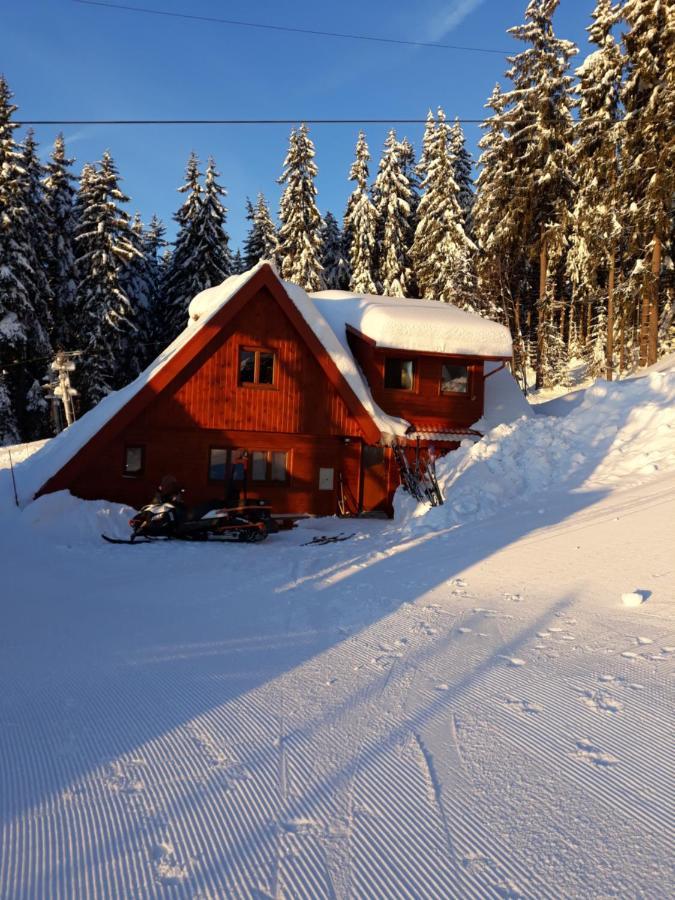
[[55, 465]]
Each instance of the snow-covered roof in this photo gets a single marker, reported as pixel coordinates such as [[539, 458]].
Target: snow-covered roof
[[44, 464], [420, 325], [417, 325]]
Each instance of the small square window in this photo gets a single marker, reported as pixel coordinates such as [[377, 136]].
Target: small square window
[[133, 462], [279, 469], [454, 379], [258, 465], [398, 374], [217, 464], [246, 367]]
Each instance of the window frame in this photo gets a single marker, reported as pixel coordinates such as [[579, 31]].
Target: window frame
[[402, 359], [223, 480], [268, 480], [450, 362], [141, 472], [256, 383]]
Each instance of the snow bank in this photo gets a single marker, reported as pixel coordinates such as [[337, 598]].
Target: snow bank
[[621, 433], [421, 325], [61, 518]]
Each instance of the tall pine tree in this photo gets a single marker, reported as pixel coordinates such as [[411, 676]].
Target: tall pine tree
[[441, 251], [261, 241], [300, 232], [393, 205], [335, 266], [106, 318], [60, 204], [649, 159], [598, 208], [24, 319], [360, 224]]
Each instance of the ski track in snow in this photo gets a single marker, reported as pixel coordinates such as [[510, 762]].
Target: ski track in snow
[[379, 718]]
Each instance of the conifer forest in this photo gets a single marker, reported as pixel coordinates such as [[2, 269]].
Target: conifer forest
[[562, 229]]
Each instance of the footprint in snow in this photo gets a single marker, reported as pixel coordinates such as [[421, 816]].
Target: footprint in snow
[[601, 702], [588, 753], [522, 706], [513, 660], [168, 869]]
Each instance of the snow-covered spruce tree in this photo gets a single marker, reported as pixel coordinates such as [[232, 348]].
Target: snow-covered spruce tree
[[61, 215], [238, 265], [137, 282], [335, 267], [105, 313], [502, 264], [598, 209], [462, 166], [24, 319], [360, 224], [393, 206], [648, 159], [184, 277], [300, 232], [442, 253], [215, 240], [410, 170], [261, 241], [538, 124], [153, 248]]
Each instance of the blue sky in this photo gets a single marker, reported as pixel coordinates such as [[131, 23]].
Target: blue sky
[[65, 60]]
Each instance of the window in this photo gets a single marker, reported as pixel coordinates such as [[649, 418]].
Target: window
[[454, 379], [398, 374], [256, 367], [133, 462], [278, 468], [217, 464], [268, 465], [258, 466]]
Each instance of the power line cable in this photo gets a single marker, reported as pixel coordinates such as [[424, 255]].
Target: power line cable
[[288, 28], [296, 121]]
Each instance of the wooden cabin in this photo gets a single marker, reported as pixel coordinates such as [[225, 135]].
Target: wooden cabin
[[294, 398]]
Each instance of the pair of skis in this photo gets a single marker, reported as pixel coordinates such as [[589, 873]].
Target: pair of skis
[[328, 539]]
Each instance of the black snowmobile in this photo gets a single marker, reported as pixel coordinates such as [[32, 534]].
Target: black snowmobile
[[169, 518]]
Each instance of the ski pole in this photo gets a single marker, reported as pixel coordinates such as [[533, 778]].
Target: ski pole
[[11, 468]]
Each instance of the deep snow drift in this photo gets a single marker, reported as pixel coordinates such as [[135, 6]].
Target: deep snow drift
[[461, 703]]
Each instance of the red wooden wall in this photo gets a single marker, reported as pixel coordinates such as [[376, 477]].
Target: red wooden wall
[[424, 404], [302, 414]]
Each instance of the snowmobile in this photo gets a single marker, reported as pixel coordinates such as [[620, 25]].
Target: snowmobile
[[172, 519]]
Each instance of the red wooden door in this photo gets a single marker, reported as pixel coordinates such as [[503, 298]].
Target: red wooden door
[[375, 487]]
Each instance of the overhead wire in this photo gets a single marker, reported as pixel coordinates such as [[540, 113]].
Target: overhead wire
[[296, 121], [313, 32]]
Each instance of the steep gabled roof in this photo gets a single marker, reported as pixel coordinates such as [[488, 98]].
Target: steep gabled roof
[[54, 467]]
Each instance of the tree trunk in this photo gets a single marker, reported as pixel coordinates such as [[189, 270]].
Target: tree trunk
[[653, 328], [541, 317], [610, 315], [643, 334]]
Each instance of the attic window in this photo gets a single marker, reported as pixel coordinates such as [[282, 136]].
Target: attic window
[[256, 367], [398, 374], [454, 379]]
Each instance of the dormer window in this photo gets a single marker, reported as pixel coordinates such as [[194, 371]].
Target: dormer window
[[454, 379], [398, 373]]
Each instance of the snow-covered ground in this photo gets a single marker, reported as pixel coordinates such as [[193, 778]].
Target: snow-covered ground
[[456, 704]]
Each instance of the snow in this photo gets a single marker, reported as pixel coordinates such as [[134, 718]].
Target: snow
[[421, 325], [456, 704]]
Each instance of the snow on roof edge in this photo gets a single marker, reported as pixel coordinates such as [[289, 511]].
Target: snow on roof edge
[[34, 472]]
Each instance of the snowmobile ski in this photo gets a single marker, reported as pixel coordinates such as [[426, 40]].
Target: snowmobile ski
[[135, 540]]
